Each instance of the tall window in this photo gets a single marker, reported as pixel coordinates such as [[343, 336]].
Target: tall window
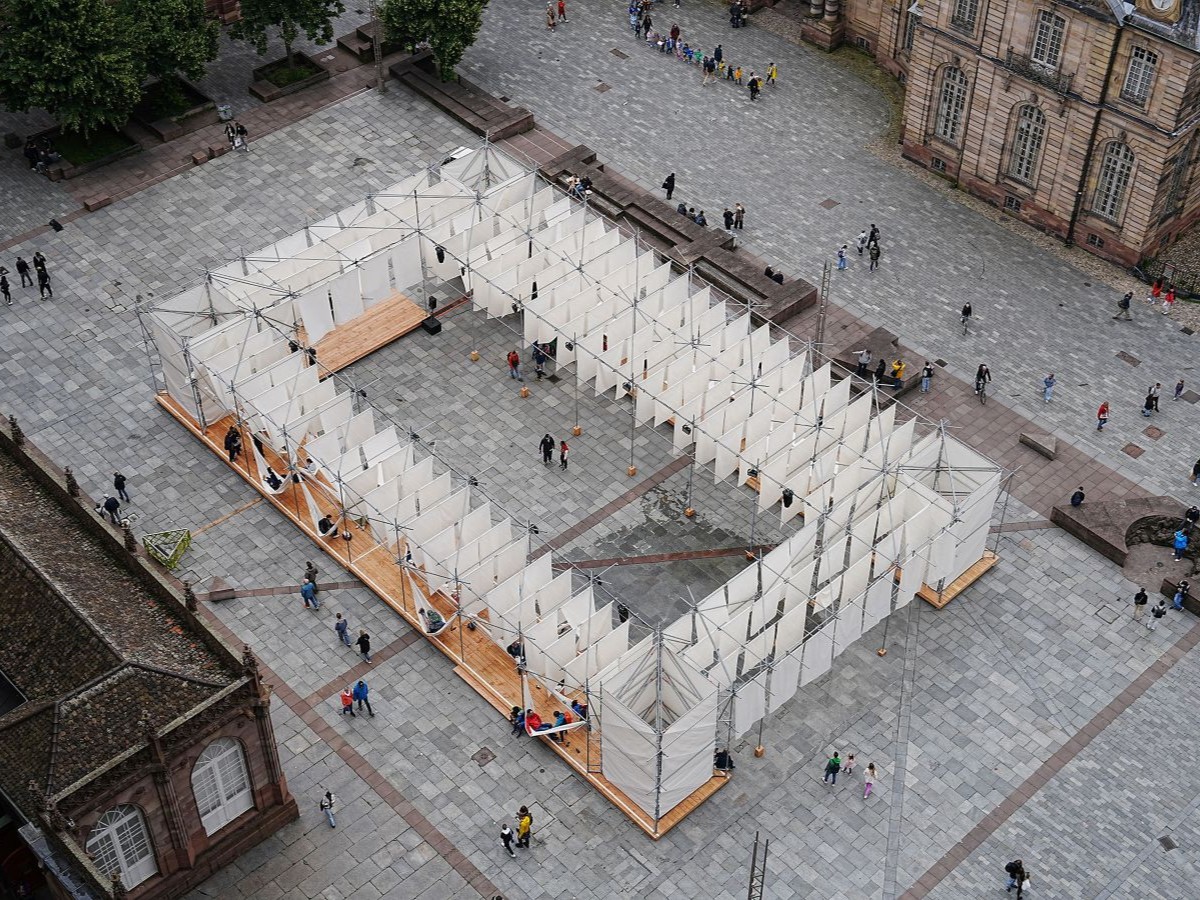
[[119, 843], [1140, 77], [1027, 143], [965, 12], [1177, 192], [910, 26], [951, 103], [1048, 39], [221, 785], [1115, 169]]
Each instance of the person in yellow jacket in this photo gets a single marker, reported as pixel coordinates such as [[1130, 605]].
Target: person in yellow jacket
[[524, 826], [772, 73], [898, 368]]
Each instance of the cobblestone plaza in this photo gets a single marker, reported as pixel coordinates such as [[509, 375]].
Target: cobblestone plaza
[[1029, 718]]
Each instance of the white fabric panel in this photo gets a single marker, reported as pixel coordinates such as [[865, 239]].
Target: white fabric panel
[[785, 678], [849, 625], [700, 654], [374, 280], [818, 654], [912, 576], [380, 445], [789, 633], [562, 651], [751, 704], [688, 747], [628, 753], [576, 609], [598, 625], [406, 264], [360, 428], [733, 635], [743, 585], [879, 601], [346, 298]]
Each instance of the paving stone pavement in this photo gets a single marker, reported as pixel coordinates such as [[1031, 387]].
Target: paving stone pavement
[[999, 679]]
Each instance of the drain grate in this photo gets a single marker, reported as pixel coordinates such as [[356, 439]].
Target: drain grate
[[1126, 357], [483, 756], [602, 87], [829, 204], [618, 54], [1168, 842], [1153, 433], [1132, 450], [1107, 614]]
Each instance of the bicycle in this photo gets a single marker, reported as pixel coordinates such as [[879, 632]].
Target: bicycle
[[981, 390]]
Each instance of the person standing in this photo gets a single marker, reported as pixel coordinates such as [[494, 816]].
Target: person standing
[[1102, 418], [864, 363], [710, 70], [524, 827], [1195, 472], [328, 802], [23, 271], [119, 484], [310, 572], [5, 290], [514, 365], [231, 135], [718, 54], [1178, 389], [669, 185], [563, 452], [772, 73], [562, 11], [1015, 871], [112, 506], [841, 258], [1155, 392], [833, 765], [308, 591], [39, 261], [1140, 599], [1123, 307], [342, 627], [1181, 594], [861, 241], [926, 377], [547, 447], [880, 368], [233, 443], [873, 234], [506, 838], [754, 87], [1157, 613], [44, 284], [869, 777], [1048, 384], [243, 137], [873, 252], [360, 694], [898, 369], [347, 697], [727, 218], [848, 768], [364, 644], [1180, 543], [739, 216]]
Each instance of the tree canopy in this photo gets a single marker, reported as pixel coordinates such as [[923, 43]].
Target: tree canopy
[[291, 17], [449, 26], [171, 36]]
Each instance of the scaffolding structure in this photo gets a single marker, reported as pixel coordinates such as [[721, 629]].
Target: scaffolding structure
[[885, 511]]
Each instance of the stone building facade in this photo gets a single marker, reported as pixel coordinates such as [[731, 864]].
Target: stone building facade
[[1079, 117], [137, 754]]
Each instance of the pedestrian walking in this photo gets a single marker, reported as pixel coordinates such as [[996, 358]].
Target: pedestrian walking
[[668, 185], [44, 287], [926, 377], [873, 234], [23, 271], [361, 697], [864, 363], [308, 591], [1157, 614], [506, 838], [739, 216], [1017, 876], [243, 137], [1181, 594], [869, 777], [1195, 472], [727, 218], [364, 644], [754, 87], [328, 802], [5, 290], [347, 696], [231, 135], [718, 54], [1180, 543], [1048, 384], [547, 447], [562, 11], [860, 242], [524, 827], [1168, 300], [119, 484], [833, 765], [1148, 405], [873, 253], [772, 73], [1155, 294], [841, 257], [1102, 417], [1178, 389], [563, 452], [1140, 600], [342, 627], [1123, 307], [848, 767], [39, 261], [514, 365], [310, 572], [112, 506]]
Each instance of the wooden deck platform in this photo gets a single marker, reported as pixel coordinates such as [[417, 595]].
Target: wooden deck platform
[[959, 584], [376, 328], [479, 660]]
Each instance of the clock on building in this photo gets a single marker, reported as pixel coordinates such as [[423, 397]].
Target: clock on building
[[1162, 10]]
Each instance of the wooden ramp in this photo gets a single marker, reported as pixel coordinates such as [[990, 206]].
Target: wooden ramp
[[479, 660], [377, 327], [959, 584]]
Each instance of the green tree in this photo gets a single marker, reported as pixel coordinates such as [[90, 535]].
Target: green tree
[[171, 36], [313, 17], [450, 27], [71, 58]]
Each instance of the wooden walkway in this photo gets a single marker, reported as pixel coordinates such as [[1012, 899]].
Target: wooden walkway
[[479, 660], [383, 323]]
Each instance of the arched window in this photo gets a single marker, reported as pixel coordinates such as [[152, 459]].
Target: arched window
[[951, 103], [119, 843], [1048, 39], [1139, 78], [1115, 170], [221, 785], [1027, 143], [965, 13]]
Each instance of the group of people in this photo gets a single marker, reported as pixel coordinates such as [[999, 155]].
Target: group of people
[[524, 831], [546, 446], [554, 14], [39, 268], [41, 154], [540, 353], [1149, 405], [899, 369], [867, 242], [835, 766], [237, 135], [531, 723]]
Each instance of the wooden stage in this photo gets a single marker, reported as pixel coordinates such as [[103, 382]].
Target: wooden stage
[[478, 660], [959, 584], [383, 323]]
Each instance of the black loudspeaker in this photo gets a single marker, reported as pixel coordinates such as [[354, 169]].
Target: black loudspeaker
[[432, 324], [56, 225]]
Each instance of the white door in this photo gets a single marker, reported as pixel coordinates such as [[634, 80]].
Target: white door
[[221, 784]]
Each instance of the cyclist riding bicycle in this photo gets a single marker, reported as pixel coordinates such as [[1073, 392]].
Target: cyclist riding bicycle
[[982, 376]]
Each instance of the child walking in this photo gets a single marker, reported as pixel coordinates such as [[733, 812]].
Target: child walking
[[869, 777]]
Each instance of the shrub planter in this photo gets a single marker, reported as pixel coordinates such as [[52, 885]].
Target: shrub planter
[[106, 146], [169, 118], [283, 77]]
